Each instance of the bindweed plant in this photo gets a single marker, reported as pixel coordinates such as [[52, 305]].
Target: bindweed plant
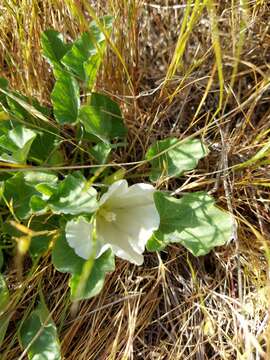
[[86, 217]]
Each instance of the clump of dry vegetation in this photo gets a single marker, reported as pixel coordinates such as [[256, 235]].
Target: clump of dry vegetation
[[175, 68]]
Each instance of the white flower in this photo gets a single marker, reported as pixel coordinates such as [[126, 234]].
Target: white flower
[[125, 220]]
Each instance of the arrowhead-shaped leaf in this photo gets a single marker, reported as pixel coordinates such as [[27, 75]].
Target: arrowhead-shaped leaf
[[175, 157], [78, 59], [193, 221], [65, 260]]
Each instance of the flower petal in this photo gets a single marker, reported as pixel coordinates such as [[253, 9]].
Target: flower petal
[[138, 223], [79, 237], [109, 234], [135, 196], [114, 191], [101, 247]]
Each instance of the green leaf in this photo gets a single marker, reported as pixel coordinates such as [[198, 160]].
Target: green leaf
[[46, 189], [95, 282], [45, 145], [115, 176], [65, 260], [40, 244], [107, 22], [4, 86], [157, 242], [193, 221], [53, 46], [3, 83], [40, 177], [39, 335], [40, 181], [26, 108], [91, 67], [20, 188], [89, 44], [16, 144], [176, 157], [100, 152], [4, 293], [37, 204], [70, 196], [65, 99], [30, 111], [5, 125], [81, 50], [4, 300], [73, 196], [102, 118], [18, 193]]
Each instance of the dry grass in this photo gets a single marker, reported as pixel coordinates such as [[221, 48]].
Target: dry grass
[[173, 74]]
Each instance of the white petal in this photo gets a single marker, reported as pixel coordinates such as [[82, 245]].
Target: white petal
[[135, 196], [115, 190], [108, 233], [137, 215], [138, 223], [79, 237], [101, 247]]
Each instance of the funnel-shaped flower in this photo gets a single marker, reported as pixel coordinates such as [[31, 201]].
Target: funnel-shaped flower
[[125, 220]]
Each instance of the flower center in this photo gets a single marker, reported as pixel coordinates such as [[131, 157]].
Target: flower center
[[109, 216]]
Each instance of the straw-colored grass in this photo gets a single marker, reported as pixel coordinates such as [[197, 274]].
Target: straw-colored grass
[[176, 68]]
